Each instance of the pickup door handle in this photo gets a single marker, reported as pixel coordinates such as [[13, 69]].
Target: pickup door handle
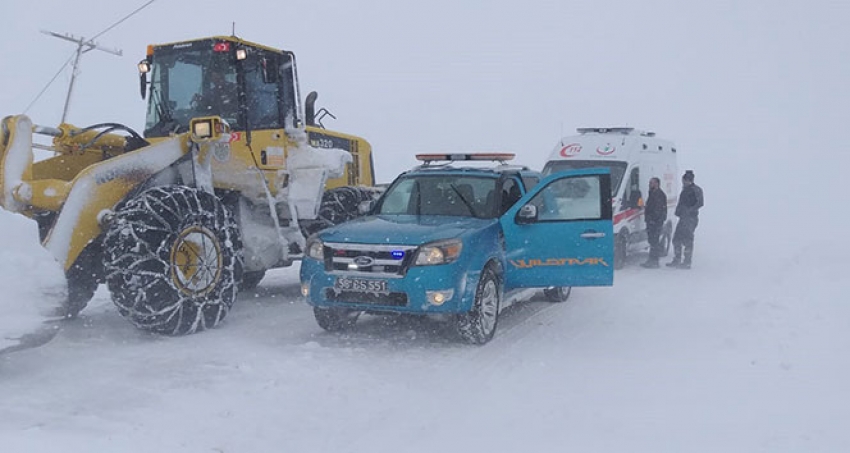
[[592, 235]]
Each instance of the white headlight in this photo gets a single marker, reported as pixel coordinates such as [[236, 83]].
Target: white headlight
[[439, 252], [202, 129]]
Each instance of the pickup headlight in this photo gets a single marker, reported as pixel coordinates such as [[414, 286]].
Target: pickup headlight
[[316, 249], [442, 252]]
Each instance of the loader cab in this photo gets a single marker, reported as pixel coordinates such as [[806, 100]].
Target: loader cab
[[250, 86]]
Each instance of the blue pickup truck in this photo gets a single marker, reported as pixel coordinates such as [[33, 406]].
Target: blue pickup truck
[[455, 237]]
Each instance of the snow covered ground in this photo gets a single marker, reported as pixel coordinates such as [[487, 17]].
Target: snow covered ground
[[30, 280], [746, 352]]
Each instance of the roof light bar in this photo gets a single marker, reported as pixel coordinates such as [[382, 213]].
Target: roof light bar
[[500, 157], [606, 130]]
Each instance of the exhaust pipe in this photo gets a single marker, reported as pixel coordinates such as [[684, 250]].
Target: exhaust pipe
[[310, 108]]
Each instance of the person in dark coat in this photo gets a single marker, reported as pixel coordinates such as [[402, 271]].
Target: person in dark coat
[[687, 210], [655, 215]]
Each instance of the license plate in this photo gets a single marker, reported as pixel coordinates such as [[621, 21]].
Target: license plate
[[363, 285]]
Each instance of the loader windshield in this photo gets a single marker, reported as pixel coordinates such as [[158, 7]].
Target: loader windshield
[[204, 78], [190, 80]]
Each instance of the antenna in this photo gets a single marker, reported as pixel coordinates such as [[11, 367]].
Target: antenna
[[233, 33], [83, 46]]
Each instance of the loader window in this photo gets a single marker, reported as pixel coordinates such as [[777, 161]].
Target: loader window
[[204, 78], [268, 91], [189, 81]]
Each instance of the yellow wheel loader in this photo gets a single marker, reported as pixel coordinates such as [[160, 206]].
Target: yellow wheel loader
[[229, 176]]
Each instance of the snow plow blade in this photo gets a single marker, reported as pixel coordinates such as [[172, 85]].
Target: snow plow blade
[[16, 160]]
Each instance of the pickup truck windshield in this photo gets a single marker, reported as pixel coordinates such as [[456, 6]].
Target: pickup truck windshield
[[448, 195]]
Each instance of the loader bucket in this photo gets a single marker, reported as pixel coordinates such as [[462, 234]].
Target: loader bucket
[[16, 158]]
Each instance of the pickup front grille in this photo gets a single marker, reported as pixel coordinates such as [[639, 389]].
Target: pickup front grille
[[375, 260]]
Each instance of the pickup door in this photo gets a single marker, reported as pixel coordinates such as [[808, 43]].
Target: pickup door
[[560, 233]]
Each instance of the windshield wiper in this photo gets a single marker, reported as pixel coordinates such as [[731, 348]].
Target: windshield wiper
[[465, 201], [166, 118]]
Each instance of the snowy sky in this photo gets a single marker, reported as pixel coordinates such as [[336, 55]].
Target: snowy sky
[[723, 76]]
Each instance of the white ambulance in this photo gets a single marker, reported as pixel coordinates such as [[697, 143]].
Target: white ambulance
[[633, 156]]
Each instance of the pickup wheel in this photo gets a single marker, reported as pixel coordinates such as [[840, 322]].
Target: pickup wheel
[[479, 325], [173, 260], [335, 319], [558, 293]]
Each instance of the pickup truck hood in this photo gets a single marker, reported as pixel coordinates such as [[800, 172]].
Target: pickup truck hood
[[402, 229]]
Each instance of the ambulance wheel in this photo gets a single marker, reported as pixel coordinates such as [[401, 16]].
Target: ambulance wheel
[[173, 259], [250, 280], [335, 319], [621, 245], [479, 325], [558, 293]]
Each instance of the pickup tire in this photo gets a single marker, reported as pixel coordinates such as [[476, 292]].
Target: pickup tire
[[479, 325], [173, 259], [335, 319], [558, 293]]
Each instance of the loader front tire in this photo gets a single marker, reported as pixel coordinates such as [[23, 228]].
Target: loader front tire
[[173, 260]]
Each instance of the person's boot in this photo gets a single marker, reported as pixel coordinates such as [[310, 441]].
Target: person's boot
[[651, 263], [686, 264], [677, 261], [677, 256]]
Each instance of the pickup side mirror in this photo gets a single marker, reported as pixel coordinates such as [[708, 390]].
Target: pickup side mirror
[[527, 214]]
